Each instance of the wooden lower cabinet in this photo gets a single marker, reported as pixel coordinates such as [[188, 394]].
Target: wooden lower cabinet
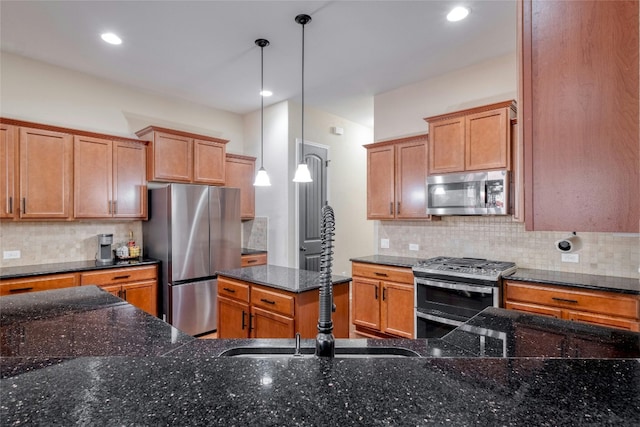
[[247, 310], [383, 300], [136, 285], [253, 260], [38, 283], [583, 305]]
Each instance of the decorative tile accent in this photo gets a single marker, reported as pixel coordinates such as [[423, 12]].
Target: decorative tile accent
[[500, 238]]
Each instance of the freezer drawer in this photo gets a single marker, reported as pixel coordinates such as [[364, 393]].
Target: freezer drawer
[[194, 306]]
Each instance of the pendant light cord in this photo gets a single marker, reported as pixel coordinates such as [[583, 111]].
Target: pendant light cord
[[302, 146], [261, 107]]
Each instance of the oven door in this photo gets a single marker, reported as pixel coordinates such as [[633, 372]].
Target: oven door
[[443, 305]]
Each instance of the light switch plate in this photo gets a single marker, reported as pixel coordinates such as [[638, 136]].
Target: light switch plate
[[384, 243], [414, 247], [570, 258], [11, 255]]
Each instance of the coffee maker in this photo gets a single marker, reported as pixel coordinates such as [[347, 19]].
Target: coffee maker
[[104, 255]]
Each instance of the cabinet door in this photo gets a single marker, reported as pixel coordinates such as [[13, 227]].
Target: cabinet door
[[603, 320], [92, 167], [446, 146], [397, 309], [115, 290], [240, 174], [580, 107], [266, 324], [233, 318], [171, 158], [8, 171], [381, 182], [142, 295], [487, 140], [129, 180], [411, 174], [366, 303], [208, 162], [46, 160]]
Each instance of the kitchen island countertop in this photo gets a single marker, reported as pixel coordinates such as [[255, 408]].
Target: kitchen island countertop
[[82, 356], [283, 278]]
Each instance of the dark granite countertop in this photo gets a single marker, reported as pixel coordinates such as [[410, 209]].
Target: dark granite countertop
[[248, 251], [81, 356], [393, 261], [625, 285], [285, 278], [68, 267]]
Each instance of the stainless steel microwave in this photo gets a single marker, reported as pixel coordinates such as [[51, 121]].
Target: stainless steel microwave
[[474, 193]]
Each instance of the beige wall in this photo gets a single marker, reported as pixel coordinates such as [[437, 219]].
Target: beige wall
[[38, 92], [400, 112]]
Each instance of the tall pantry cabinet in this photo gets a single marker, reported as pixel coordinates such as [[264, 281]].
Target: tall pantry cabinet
[[580, 115]]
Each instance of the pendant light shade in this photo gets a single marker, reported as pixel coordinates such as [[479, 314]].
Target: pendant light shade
[[262, 179], [302, 173]]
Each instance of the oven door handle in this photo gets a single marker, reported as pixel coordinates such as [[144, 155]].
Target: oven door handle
[[438, 319], [455, 286]]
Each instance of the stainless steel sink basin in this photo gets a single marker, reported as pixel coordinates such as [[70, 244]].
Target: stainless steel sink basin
[[308, 352]]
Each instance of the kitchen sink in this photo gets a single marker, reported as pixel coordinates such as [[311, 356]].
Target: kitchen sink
[[308, 352]]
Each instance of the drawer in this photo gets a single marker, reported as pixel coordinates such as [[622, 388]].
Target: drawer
[[38, 283], [251, 260], [233, 289], [382, 272], [114, 276], [584, 300], [272, 301]]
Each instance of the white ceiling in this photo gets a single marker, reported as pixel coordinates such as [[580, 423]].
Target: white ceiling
[[204, 51]]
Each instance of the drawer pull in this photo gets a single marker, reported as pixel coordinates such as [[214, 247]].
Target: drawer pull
[[572, 301], [251, 261], [233, 291], [121, 277], [381, 274], [268, 301], [21, 289], [384, 294]]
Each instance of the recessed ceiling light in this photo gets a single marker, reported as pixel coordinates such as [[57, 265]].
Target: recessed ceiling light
[[266, 93], [111, 38], [457, 14]]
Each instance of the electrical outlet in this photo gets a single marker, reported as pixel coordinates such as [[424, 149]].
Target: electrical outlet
[[413, 247], [570, 258], [11, 255], [384, 243]]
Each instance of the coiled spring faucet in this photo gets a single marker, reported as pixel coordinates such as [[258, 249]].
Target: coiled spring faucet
[[325, 342]]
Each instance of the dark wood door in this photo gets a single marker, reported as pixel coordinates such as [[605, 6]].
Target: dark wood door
[[92, 164], [411, 176], [233, 318], [129, 180], [366, 303]]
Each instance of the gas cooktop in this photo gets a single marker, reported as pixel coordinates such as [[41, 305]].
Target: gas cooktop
[[473, 268]]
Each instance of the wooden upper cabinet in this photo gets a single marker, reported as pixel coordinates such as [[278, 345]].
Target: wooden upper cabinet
[[240, 171], [93, 166], [46, 168], [396, 179], [177, 156], [446, 147], [580, 115], [8, 171], [109, 178], [471, 140], [208, 162], [129, 180]]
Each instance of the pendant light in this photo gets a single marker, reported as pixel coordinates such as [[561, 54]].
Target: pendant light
[[262, 179], [302, 173]]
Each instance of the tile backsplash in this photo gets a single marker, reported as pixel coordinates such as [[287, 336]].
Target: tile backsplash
[[52, 242], [500, 238], [254, 233]]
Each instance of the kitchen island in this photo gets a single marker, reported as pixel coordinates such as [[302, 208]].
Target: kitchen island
[[83, 356], [271, 301]]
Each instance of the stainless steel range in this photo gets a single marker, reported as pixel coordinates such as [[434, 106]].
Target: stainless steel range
[[449, 291]]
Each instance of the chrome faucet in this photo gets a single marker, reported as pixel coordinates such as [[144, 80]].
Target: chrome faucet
[[325, 342]]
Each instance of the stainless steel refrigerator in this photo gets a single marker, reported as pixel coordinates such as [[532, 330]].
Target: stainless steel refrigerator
[[194, 230]]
